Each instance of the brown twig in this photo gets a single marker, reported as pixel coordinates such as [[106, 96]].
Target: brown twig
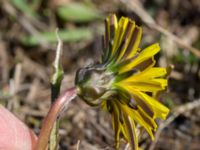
[[78, 145], [15, 84], [137, 7], [4, 61]]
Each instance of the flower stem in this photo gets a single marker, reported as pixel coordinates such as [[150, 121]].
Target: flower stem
[[59, 105]]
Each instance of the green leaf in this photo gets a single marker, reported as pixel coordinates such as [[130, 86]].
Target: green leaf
[[65, 35], [78, 12], [56, 81], [23, 6]]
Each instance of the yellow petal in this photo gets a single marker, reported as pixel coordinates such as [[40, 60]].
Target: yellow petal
[[144, 55], [162, 82], [130, 131], [110, 29], [145, 65], [137, 117], [116, 123], [134, 42], [159, 109], [127, 38], [119, 33], [146, 86], [113, 26], [150, 73], [144, 106], [142, 84], [147, 118]]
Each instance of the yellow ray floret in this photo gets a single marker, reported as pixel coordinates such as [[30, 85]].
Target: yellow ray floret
[[135, 115], [144, 55], [118, 35], [154, 72], [160, 110]]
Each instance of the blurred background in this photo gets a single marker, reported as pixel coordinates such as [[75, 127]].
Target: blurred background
[[27, 51]]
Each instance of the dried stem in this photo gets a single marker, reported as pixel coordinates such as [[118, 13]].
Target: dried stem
[[57, 107]]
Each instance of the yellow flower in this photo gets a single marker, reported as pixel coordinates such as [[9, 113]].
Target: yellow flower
[[125, 81]]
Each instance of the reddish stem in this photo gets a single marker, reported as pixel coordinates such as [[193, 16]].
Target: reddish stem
[[56, 108]]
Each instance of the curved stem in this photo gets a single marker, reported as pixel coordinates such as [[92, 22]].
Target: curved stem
[[57, 107]]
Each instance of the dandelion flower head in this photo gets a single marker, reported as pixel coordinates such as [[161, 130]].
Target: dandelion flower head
[[125, 81]]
